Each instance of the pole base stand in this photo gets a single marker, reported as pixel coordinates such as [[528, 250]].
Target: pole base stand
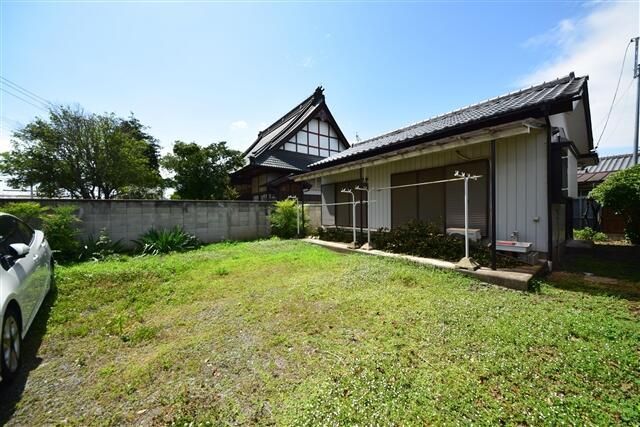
[[467, 264], [366, 247]]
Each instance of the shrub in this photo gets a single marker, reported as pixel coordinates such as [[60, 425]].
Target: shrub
[[59, 223], [101, 248], [155, 242], [588, 233], [344, 235], [284, 219], [60, 226], [29, 212], [426, 240], [621, 193]]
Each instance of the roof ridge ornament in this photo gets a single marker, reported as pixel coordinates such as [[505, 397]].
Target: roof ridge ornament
[[319, 93]]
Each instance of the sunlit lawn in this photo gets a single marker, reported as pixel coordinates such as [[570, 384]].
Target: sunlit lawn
[[281, 332]]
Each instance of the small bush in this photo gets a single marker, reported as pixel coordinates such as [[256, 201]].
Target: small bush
[[426, 240], [588, 233], [101, 248], [29, 212], [60, 226], [155, 242], [284, 219], [344, 235]]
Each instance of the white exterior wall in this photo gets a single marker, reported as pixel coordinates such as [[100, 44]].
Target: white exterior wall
[[521, 184]]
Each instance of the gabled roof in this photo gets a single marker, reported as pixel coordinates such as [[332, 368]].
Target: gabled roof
[[283, 128], [607, 166], [534, 101]]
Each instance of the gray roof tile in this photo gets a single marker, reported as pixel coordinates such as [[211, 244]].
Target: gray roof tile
[[606, 166], [287, 160]]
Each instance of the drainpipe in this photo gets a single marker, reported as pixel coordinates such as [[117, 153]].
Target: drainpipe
[[549, 202], [493, 204]]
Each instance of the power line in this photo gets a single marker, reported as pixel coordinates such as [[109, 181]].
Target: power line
[[624, 58], [24, 100], [25, 92]]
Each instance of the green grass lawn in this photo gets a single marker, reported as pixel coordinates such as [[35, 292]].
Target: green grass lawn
[[286, 333]]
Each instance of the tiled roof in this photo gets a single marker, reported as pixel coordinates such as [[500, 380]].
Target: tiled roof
[[604, 168], [534, 97], [288, 160]]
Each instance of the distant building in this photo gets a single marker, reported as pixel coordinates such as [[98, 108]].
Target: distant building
[[7, 191], [587, 213], [306, 134]]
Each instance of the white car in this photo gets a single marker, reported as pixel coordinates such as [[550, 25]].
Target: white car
[[26, 273]]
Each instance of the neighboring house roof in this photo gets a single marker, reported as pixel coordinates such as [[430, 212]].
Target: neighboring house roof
[[534, 101], [283, 128], [607, 166], [288, 160]]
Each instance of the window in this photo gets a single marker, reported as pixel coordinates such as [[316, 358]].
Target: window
[[318, 138], [344, 213], [26, 233], [441, 204], [13, 231]]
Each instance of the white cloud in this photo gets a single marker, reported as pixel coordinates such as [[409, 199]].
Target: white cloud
[[239, 124], [593, 44], [560, 35], [307, 62]]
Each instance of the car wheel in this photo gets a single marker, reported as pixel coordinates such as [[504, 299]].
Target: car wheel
[[11, 351]]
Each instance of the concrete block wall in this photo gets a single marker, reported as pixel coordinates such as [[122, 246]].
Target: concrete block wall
[[209, 220]]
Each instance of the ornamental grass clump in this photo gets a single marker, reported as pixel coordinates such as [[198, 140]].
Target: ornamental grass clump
[[164, 241]]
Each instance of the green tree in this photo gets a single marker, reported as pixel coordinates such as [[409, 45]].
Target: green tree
[[621, 193], [202, 173], [83, 155]]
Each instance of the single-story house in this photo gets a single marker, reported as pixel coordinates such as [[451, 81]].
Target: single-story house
[[586, 212], [306, 134], [526, 145]]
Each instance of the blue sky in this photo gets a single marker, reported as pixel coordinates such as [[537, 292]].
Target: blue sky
[[207, 71]]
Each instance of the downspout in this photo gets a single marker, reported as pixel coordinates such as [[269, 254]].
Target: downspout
[[493, 205], [549, 202]]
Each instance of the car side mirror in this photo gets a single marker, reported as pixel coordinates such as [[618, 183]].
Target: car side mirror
[[18, 250]]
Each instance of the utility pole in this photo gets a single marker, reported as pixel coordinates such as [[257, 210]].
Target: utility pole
[[636, 75]]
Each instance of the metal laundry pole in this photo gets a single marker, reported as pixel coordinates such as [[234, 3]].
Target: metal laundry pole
[[365, 188], [467, 262]]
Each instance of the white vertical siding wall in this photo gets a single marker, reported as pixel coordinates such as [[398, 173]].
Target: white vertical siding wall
[[521, 184], [521, 189]]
